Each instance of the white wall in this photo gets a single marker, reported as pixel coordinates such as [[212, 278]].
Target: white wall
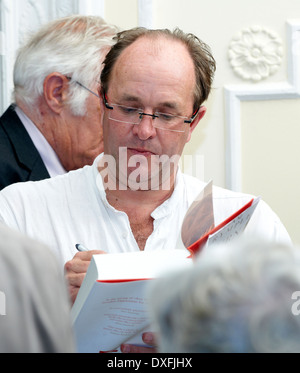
[[248, 139]]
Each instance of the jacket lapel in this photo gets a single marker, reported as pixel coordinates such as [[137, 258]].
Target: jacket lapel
[[26, 152]]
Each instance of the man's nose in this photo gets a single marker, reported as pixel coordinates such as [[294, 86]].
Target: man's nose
[[145, 129]]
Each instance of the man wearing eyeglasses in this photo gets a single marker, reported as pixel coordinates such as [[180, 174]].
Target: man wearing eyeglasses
[[134, 196], [54, 125]]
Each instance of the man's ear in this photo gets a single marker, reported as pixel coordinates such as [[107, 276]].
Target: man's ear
[[56, 88], [194, 123]]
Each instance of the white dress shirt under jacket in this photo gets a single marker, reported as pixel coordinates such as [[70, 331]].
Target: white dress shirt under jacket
[[48, 155]]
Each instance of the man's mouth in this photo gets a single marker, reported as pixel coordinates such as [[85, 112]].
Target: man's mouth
[[140, 151]]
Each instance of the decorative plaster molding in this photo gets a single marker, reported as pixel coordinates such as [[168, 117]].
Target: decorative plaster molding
[[255, 53], [271, 91]]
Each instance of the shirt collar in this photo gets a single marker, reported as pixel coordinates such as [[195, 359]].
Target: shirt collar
[[48, 155]]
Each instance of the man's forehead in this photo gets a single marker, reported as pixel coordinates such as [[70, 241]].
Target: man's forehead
[[154, 45], [158, 53]]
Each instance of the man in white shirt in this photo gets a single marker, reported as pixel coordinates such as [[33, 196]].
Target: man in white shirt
[[54, 125], [133, 197]]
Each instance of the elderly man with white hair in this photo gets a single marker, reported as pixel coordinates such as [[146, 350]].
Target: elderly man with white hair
[[54, 124]]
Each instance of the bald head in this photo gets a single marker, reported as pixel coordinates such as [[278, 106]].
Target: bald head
[[203, 61]]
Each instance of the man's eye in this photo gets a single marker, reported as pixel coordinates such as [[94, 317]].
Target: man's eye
[[166, 117], [128, 110]]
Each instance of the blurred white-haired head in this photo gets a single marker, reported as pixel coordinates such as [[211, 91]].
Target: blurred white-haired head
[[236, 298]]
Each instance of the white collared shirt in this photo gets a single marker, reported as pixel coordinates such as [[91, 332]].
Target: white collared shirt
[[73, 208], [48, 155]]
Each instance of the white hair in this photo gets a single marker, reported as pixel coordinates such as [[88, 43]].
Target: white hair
[[74, 46], [237, 298]]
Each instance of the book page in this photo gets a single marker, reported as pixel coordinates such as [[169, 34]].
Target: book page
[[137, 264], [112, 314], [199, 218], [235, 227]]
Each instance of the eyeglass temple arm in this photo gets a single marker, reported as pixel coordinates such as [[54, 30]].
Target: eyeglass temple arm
[[105, 101], [83, 86], [193, 116]]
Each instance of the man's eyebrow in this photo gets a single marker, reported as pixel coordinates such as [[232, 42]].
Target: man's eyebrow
[[164, 104], [130, 98], [169, 105]]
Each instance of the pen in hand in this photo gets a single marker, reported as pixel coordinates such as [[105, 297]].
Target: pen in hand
[[80, 247]]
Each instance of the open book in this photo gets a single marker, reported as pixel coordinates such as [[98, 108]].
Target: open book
[[198, 228], [111, 305]]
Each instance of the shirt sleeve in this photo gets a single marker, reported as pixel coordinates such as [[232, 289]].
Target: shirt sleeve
[[266, 224], [12, 207], [6, 214]]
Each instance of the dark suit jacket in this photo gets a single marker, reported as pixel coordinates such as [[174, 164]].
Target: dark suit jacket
[[19, 158]]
